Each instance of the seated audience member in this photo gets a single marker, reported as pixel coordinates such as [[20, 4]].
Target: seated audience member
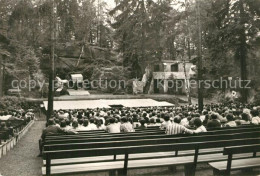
[[92, 125], [100, 124], [3, 126], [166, 122], [158, 122], [63, 125], [68, 124], [153, 116], [57, 122], [85, 126], [136, 123], [230, 121], [213, 122], [80, 122], [10, 128], [205, 121], [52, 129], [245, 119], [62, 115], [75, 126], [185, 121], [112, 127], [126, 126], [143, 124], [203, 116], [199, 127], [176, 128], [248, 112], [152, 122], [255, 117]]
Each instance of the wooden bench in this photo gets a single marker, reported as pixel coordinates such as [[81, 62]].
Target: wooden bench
[[149, 141], [96, 132], [152, 130], [225, 167], [195, 143], [123, 136], [102, 133], [74, 136]]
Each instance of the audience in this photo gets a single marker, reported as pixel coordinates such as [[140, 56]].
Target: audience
[[255, 117], [199, 126], [126, 126], [174, 120], [113, 127], [176, 128], [214, 122], [166, 122], [245, 119], [230, 121]]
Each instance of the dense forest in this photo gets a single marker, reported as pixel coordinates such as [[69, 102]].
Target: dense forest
[[91, 37]]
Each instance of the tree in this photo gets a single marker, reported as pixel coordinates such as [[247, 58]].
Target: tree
[[231, 33], [139, 28]]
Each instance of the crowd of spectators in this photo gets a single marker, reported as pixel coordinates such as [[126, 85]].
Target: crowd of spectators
[[174, 120], [13, 120]]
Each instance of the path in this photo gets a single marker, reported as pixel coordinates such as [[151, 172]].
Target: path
[[22, 160]]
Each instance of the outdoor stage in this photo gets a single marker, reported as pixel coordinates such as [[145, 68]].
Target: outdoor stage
[[105, 103]]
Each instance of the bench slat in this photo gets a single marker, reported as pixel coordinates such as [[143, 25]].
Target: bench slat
[[132, 156], [134, 164], [237, 164]]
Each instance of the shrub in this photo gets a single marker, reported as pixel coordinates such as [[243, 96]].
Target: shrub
[[13, 102]]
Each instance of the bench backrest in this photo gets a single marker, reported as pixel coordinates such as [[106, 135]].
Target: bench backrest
[[59, 154], [169, 139], [241, 149], [155, 128], [93, 133], [76, 138]]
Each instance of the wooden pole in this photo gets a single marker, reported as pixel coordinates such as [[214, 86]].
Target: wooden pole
[[51, 74], [243, 51], [1, 77], [199, 63]]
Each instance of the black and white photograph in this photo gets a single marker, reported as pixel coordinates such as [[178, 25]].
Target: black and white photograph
[[129, 87]]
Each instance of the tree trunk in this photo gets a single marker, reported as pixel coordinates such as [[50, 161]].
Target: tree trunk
[[243, 52], [199, 62], [1, 77], [51, 74], [188, 29]]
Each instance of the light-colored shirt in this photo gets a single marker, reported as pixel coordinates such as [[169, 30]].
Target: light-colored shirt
[[175, 128], [200, 129], [92, 126], [126, 127], [113, 128], [231, 124], [256, 120], [136, 124], [83, 128], [165, 124], [68, 127], [184, 122], [102, 127]]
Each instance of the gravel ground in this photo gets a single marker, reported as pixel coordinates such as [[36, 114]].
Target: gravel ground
[[22, 160]]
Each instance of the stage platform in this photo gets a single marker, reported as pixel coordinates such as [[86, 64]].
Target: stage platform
[[106, 103], [79, 92]]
